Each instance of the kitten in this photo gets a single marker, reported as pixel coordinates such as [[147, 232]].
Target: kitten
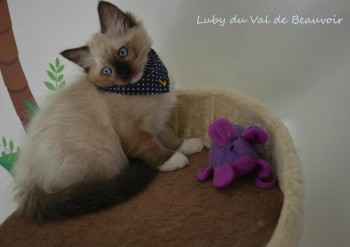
[[93, 145]]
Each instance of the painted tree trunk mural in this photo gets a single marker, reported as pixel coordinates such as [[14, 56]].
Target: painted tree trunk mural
[[11, 69]]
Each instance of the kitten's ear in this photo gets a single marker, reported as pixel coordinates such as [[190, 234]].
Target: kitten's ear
[[77, 55], [110, 16]]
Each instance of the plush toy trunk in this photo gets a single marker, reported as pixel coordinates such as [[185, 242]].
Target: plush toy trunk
[[178, 210]]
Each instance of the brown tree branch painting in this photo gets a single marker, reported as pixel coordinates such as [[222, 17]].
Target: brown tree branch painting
[[11, 69]]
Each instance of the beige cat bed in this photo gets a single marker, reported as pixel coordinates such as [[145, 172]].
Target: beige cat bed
[[178, 210]]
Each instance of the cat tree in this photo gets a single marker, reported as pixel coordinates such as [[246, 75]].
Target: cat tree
[[176, 210]]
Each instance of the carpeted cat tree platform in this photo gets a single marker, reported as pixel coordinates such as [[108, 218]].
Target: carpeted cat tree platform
[[178, 210]]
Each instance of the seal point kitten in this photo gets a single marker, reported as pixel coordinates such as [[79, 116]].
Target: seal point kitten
[[89, 148]]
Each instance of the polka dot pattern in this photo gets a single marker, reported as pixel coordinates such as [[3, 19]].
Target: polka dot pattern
[[155, 79]]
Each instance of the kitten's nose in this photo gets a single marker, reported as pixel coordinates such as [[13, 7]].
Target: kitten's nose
[[123, 71]]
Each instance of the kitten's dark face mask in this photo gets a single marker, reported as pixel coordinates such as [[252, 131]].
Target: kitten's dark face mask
[[118, 69]]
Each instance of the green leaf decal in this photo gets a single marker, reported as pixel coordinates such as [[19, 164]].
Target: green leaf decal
[[50, 86], [8, 160], [60, 78], [52, 76], [60, 69], [8, 157], [12, 147], [55, 75], [53, 68], [31, 108], [62, 84], [4, 142], [57, 62]]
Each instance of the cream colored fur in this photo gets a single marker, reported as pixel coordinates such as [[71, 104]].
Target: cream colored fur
[[73, 137], [84, 133]]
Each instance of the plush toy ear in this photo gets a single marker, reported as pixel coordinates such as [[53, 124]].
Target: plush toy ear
[[221, 132], [255, 135]]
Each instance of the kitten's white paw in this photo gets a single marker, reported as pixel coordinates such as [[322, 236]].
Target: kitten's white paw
[[177, 161], [191, 146]]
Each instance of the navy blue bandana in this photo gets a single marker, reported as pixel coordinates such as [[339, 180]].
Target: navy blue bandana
[[155, 79]]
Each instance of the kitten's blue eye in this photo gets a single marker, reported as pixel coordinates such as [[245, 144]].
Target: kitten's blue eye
[[123, 52], [106, 71]]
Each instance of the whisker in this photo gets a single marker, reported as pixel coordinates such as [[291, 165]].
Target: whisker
[[141, 52]]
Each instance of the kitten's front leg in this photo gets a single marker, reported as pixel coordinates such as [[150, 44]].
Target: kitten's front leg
[[143, 145], [175, 162], [186, 146]]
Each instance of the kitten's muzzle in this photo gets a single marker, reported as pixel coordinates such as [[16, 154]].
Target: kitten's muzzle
[[123, 71]]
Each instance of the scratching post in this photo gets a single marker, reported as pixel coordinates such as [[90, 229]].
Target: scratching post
[[178, 210]]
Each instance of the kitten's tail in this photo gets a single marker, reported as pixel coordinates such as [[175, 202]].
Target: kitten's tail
[[87, 196]]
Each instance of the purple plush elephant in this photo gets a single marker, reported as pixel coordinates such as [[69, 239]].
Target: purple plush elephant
[[232, 154]]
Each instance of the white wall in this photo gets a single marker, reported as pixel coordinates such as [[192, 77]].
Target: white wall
[[300, 71]]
